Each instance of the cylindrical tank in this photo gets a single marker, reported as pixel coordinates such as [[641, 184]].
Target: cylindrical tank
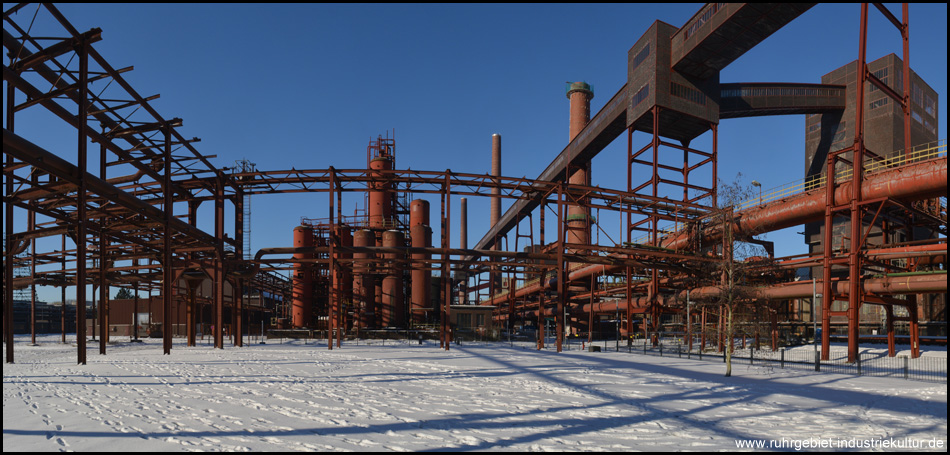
[[393, 303], [419, 212], [380, 194], [420, 236], [364, 285], [302, 300]]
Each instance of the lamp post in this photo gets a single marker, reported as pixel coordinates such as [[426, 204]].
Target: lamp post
[[757, 184]]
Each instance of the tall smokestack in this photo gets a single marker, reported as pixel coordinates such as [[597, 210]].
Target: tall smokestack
[[463, 228], [578, 218], [494, 276]]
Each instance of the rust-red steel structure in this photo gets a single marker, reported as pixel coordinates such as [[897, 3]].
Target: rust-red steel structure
[[351, 275]]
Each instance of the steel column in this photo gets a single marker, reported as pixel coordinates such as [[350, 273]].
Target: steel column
[[8, 228], [446, 242], [168, 273], [561, 272], [219, 261], [82, 118], [332, 291], [238, 292], [543, 278], [103, 266]]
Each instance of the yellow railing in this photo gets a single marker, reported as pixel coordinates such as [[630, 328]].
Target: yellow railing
[[918, 153]]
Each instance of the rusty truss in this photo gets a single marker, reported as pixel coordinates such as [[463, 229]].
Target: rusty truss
[[133, 221]]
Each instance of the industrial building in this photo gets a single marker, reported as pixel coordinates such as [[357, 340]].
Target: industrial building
[[378, 271]]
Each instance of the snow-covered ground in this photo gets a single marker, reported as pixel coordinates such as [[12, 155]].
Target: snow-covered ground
[[477, 396]]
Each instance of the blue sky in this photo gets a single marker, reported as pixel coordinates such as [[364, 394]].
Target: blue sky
[[307, 86]]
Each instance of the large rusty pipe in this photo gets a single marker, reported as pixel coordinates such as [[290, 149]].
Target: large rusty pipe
[[888, 285], [926, 179], [928, 254]]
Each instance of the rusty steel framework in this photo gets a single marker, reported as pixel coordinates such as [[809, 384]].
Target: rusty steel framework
[[349, 269]]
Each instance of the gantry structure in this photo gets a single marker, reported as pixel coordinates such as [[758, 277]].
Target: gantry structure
[[349, 273]]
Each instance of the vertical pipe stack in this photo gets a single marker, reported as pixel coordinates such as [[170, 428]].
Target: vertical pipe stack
[[380, 213], [393, 304], [364, 285], [578, 220], [302, 302], [380, 194], [578, 217], [421, 236], [463, 223], [495, 172], [495, 277]]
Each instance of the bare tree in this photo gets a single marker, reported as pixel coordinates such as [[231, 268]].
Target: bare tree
[[727, 280]]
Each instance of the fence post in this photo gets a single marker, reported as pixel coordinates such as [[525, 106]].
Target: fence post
[[817, 361], [905, 367], [783, 358], [859, 364]]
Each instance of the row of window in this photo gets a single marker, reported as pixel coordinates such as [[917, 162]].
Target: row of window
[[465, 320], [925, 123], [874, 105], [882, 74], [687, 93], [917, 94], [703, 18], [782, 91], [923, 100], [641, 56], [641, 95]]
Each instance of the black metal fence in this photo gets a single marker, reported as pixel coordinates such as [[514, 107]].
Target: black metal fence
[[931, 369]]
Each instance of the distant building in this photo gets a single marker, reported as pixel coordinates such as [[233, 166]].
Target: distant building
[[473, 322], [884, 136]]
